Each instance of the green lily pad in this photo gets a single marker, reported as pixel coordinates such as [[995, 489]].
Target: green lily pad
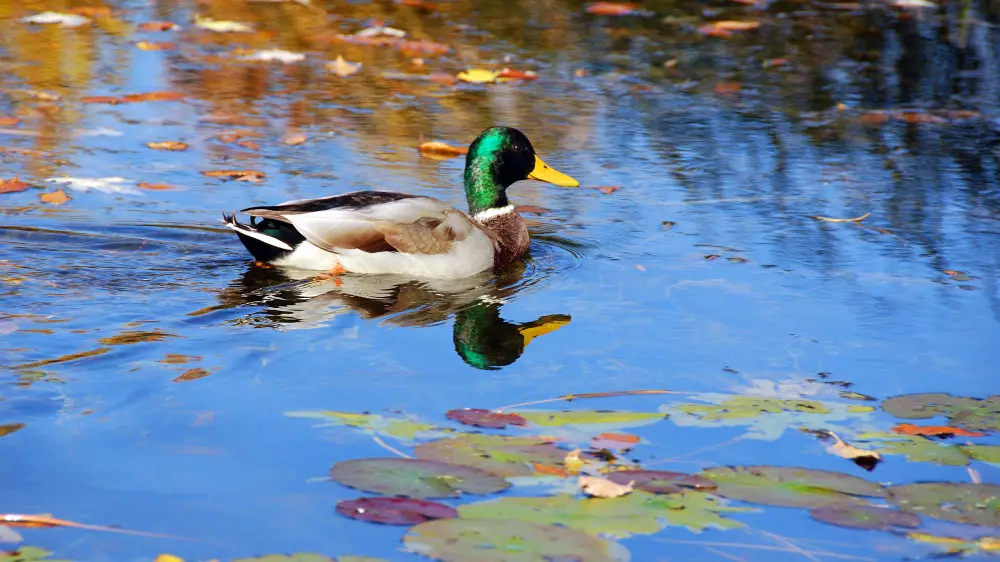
[[504, 456], [402, 428], [638, 513], [985, 453], [415, 478], [790, 487], [974, 504], [660, 481], [765, 418], [460, 540], [866, 517], [967, 413], [917, 449], [955, 546], [606, 419]]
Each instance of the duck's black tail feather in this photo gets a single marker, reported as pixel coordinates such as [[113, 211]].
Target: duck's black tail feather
[[267, 240]]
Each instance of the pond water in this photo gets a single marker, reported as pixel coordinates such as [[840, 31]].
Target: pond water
[[152, 363]]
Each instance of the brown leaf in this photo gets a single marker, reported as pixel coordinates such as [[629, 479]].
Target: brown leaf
[[156, 46], [157, 26], [57, 197], [725, 88], [238, 175], [13, 185], [435, 148], [294, 139], [192, 374], [178, 359], [443, 78], [421, 47], [155, 186], [873, 118], [607, 189], [598, 487], [248, 144], [9, 121], [531, 209], [612, 8], [167, 145]]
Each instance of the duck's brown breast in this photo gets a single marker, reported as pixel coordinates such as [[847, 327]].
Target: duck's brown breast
[[510, 236]]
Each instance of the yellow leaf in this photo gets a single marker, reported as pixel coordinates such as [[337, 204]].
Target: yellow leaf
[[168, 558], [478, 76], [342, 68], [598, 487], [573, 462], [221, 26], [167, 145]]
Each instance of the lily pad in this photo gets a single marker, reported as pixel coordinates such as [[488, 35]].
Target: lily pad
[[415, 478], [632, 514], [478, 417], [505, 456], [867, 517], [926, 405], [460, 540], [400, 427], [765, 418], [917, 449], [958, 546], [661, 481], [985, 453], [607, 419], [395, 511], [27, 554], [974, 504], [789, 486]]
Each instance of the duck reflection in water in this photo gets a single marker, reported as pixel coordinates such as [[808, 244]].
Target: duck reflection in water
[[482, 338]]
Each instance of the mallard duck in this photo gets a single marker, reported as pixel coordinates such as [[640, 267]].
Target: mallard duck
[[373, 232]]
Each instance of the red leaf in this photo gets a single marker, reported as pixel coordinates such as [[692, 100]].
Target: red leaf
[[395, 511], [612, 8], [477, 417], [511, 74], [157, 26], [935, 430]]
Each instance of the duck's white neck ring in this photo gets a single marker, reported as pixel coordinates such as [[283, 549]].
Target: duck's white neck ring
[[483, 216]]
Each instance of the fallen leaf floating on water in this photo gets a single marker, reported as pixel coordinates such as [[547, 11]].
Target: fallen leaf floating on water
[[550, 470], [221, 26], [607, 189], [192, 374], [511, 74], [395, 511], [619, 437], [726, 28], [57, 197], [478, 76], [958, 546], [154, 186], [597, 487], [64, 20], [155, 46], [13, 185], [168, 558], [612, 9], [478, 417], [935, 431], [573, 462], [828, 219], [248, 144], [238, 175], [9, 121], [441, 150], [45, 521], [294, 139], [276, 55], [342, 67], [134, 98], [158, 26], [167, 145]]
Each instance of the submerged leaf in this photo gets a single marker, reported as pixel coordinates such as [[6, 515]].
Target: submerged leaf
[[505, 456], [461, 540], [867, 517], [415, 478], [395, 511]]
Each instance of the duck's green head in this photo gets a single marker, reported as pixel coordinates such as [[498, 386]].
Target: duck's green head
[[499, 157]]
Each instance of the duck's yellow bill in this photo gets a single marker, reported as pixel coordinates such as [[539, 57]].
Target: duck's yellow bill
[[543, 172]]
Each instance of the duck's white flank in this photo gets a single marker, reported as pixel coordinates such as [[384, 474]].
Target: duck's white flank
[[483, 216], [259, 236]]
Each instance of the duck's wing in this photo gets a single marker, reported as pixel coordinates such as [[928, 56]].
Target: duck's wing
[[374, 221]]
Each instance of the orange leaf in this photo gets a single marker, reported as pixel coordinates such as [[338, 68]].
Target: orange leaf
[[919, 117], [153, 96], [607, 189], [935, 430], [238, 175], [57, 197], [294, 139], [550, 470], [101, 99], [612, 8], [167, 145], [157, 26], [154, 46], [512, 74], [952, 272], [9, 121], [728, 87], [622, 437], [248, 144], [155, 186], [192, 374], [731, 25], [435, 148], [13, 185], [91, 11]]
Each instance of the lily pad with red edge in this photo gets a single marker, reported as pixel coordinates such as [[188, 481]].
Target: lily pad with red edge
[[661, 481], [504, 456], [502, 540], [790, 486], [395, 511], [478, 417], [868, 517], [415, 478], [973, 504]]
